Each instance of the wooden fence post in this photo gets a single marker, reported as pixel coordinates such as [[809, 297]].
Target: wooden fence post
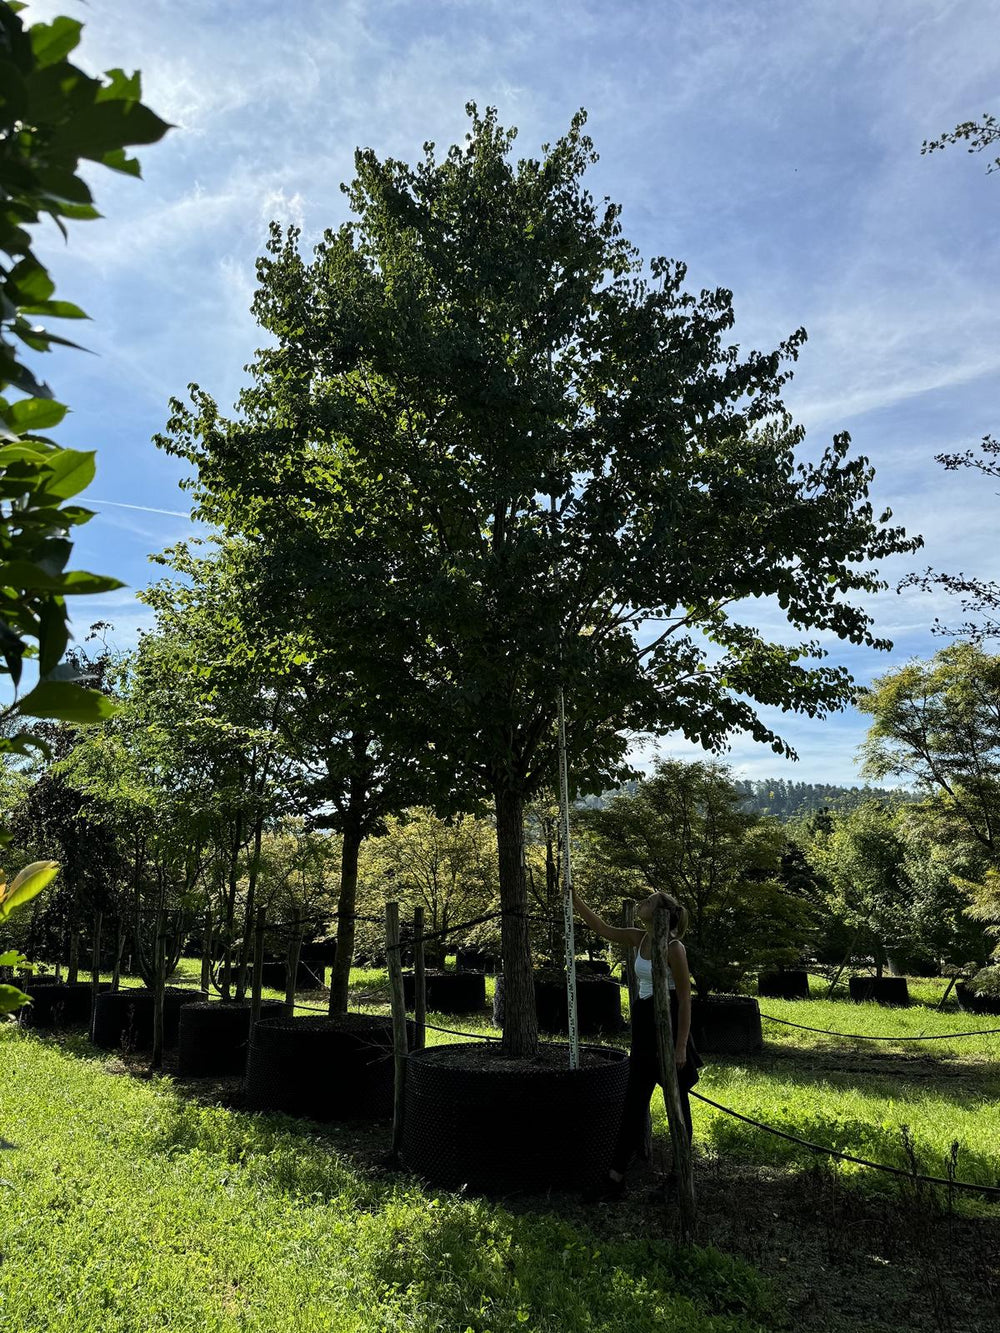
[[258, 967], [159, 986], [628, 922], [73, 970], [679, 1140], [95, 966], [207, 939], [292, 963], [419, 982], [398, 1021], [116, 975]]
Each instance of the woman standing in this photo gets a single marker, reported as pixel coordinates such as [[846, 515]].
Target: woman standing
[[644, 1062]]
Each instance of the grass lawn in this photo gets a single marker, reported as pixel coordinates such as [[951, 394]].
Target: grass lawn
[[135, 1203]]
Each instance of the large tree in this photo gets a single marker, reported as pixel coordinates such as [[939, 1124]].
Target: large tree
[[527, 447], [979, 598]]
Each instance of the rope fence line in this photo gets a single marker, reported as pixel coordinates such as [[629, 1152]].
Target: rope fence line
[[993, 1190], [863, 1036]]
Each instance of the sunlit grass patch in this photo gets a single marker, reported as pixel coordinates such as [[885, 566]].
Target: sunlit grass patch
[[136, 1210]]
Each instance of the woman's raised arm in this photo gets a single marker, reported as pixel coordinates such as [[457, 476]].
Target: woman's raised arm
[[630, 935]]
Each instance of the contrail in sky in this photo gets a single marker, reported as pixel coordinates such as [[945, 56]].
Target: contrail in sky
[[145, 509]]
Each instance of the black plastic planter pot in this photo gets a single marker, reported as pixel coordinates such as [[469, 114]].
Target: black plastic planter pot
[[879, 990], [124, 1018], [497, 1126], [784, 985], [598, 1004], [214, 1035], [976, 1004], [450, 992], [325, 1068], [726, 1024], [320, 951], [594, 967], [61, 1005], [475, 960], [309, 976]]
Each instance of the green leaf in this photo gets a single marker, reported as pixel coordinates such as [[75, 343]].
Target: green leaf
[[121, 86], [70, 471], [12, 999], [27, 576], [53, 636], [53, 41], [66, 702], [24, 743], [33, 414], [27, 884], [56, 310], [31, 281], [11, 958]]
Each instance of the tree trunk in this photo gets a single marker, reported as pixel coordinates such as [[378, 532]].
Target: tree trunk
[[73, 970], [253, 871], [520, 1031], [159, 987], [340, 976], [207, 940], [116, 975], [95, 968]]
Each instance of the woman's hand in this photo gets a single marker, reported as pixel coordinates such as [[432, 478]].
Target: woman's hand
[[680, 1056]]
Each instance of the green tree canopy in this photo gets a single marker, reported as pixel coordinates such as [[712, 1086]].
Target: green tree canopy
[[523, 447]]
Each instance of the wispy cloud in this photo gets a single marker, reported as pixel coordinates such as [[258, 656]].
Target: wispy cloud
[[774, 146]]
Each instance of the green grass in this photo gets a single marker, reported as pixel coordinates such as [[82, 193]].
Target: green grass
[[857, 1096], [129, 1208], [134, 1208]]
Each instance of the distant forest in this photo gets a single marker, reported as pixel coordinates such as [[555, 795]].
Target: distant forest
[[787, 800]]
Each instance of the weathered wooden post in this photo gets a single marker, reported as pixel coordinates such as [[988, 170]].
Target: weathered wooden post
[[73, 970], [95, 969], [159, 986], [258, 967], [398, 1021], [116, 975], [419, 982], [628, 922], [292, 963], [679, 1140], [207, 939]]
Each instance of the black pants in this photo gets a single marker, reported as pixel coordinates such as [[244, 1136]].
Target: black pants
[[643, 1076]]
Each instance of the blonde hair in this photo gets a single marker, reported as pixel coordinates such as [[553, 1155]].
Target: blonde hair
[[678, 914]]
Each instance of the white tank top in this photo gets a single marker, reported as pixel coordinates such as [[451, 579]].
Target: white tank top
[[644, 976]]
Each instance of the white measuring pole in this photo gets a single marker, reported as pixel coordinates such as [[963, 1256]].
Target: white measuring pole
[[567, 866]]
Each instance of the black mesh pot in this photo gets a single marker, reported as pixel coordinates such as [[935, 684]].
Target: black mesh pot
[[784, 985], [125, 1017], [320, 951], [975, 1004], [61, 1005], [595, 967], [526, 1127], [879, 990], [450, 992], [309, 976], [598, 1004], [213, 1036], [475, 960], [726, 1024], [337, 1068]]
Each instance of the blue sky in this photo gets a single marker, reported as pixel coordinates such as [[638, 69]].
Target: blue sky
[[773, 146]]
